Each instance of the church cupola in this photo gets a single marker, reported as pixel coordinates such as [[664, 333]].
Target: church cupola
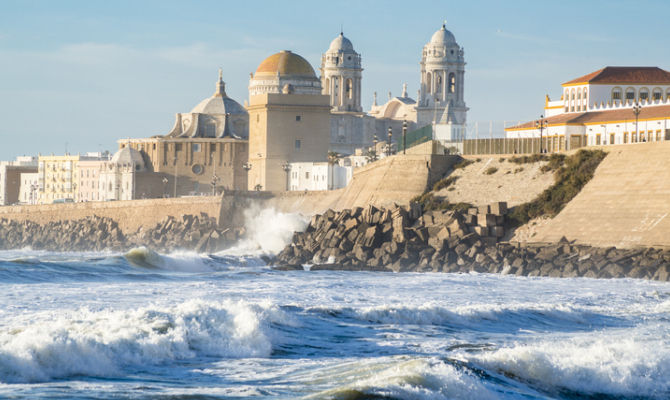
[[341, 74]]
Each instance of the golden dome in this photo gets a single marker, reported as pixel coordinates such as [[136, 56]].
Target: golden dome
[[285, 63]]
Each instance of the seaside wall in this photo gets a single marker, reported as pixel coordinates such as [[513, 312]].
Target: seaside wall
[[395, 179], [130, 215], [626, 204]]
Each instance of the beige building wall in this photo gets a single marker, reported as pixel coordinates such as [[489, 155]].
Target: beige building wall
[[58, 177], [195, 161], [285, 128], [88, 186]]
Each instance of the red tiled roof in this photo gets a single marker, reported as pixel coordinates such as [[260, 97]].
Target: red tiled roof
[[632, 75], [594, 117]]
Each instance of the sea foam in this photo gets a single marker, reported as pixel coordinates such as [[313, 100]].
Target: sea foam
[[102, 343]]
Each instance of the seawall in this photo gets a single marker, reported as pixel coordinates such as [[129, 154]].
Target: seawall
[[626, 204]]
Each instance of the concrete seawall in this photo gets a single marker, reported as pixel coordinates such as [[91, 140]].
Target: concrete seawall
[[130, 215], [626, 204], [392, 180]]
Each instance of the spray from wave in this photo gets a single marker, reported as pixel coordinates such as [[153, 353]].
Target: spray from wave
[[103, 343], [268, 231]]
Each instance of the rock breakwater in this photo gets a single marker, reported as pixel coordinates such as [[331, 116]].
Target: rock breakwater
[[190, 232], [407, 240]]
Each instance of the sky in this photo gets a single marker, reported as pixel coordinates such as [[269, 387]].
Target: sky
[[77, 76]]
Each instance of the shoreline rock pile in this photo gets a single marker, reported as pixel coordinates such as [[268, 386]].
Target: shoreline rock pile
[[402, 240], [189, 232]]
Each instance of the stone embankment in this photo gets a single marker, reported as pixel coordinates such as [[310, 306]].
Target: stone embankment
[[190, 232], [401, 240]]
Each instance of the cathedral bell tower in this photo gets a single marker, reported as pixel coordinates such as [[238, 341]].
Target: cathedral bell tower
[[341, 75], [442, 77]]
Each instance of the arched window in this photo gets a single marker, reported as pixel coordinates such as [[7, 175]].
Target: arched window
[[657, 94], [327, 85], [438, 81], [350, 88], [667, 94], [579, 100], [616, 93], [429, 82], [630, 94], [644, 94], [452, 83], [585, 97], [572, 100]]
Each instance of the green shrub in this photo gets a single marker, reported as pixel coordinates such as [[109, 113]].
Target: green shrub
[[533, 158], [462, 164], [491, 170], [570, 178], [444, 183], [429, 202]]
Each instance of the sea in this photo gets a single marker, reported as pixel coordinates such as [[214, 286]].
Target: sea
[[180, 325]]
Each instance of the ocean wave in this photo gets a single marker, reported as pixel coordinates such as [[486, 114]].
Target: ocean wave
[[480, 317], [103, 343], [598, 364], [268, 231], [400, 378]]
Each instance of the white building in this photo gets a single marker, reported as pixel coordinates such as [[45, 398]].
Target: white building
[[29, 190], [305, 176], [614, 105], [118, 176]]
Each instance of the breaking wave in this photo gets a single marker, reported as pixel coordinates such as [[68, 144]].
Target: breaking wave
[[268, 231], [595, 364], [102, 343]]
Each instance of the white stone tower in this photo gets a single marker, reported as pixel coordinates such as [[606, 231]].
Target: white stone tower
[[442, 76], [341, 75]]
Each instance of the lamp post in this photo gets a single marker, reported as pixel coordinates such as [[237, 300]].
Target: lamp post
[[404, 135], [541, 124], [637, 108], [215, 180], [175, 176], [388, 142], [165, 182], [286, 167]]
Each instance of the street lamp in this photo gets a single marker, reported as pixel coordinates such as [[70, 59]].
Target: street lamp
[[165, 182], [286, 167], [215, 179], [541, 124], [175, 176], [404, 135], [388, 142], [637, 108]]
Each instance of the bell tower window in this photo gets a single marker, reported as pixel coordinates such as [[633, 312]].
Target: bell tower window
[[452, 83]]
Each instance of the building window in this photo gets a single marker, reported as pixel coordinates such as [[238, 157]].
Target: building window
[[197, 147], [298, 118], [177, 147], [452, 83], [350, 88], [306, 175], [616, 93], [657, 94], [297, 144], [644, 94], [630, 94]]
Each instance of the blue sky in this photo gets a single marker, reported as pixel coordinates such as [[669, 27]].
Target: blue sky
[[82, 74]]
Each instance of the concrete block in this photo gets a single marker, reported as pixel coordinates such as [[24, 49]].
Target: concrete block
[[483, 210], [499, 208]]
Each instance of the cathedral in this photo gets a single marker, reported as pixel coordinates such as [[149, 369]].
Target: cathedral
[[295, 116]]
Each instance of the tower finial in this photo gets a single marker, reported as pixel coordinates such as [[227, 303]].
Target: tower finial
[[444, 24], [220, 85]]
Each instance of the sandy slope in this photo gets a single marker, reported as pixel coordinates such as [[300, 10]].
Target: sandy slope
[[513, 183]]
